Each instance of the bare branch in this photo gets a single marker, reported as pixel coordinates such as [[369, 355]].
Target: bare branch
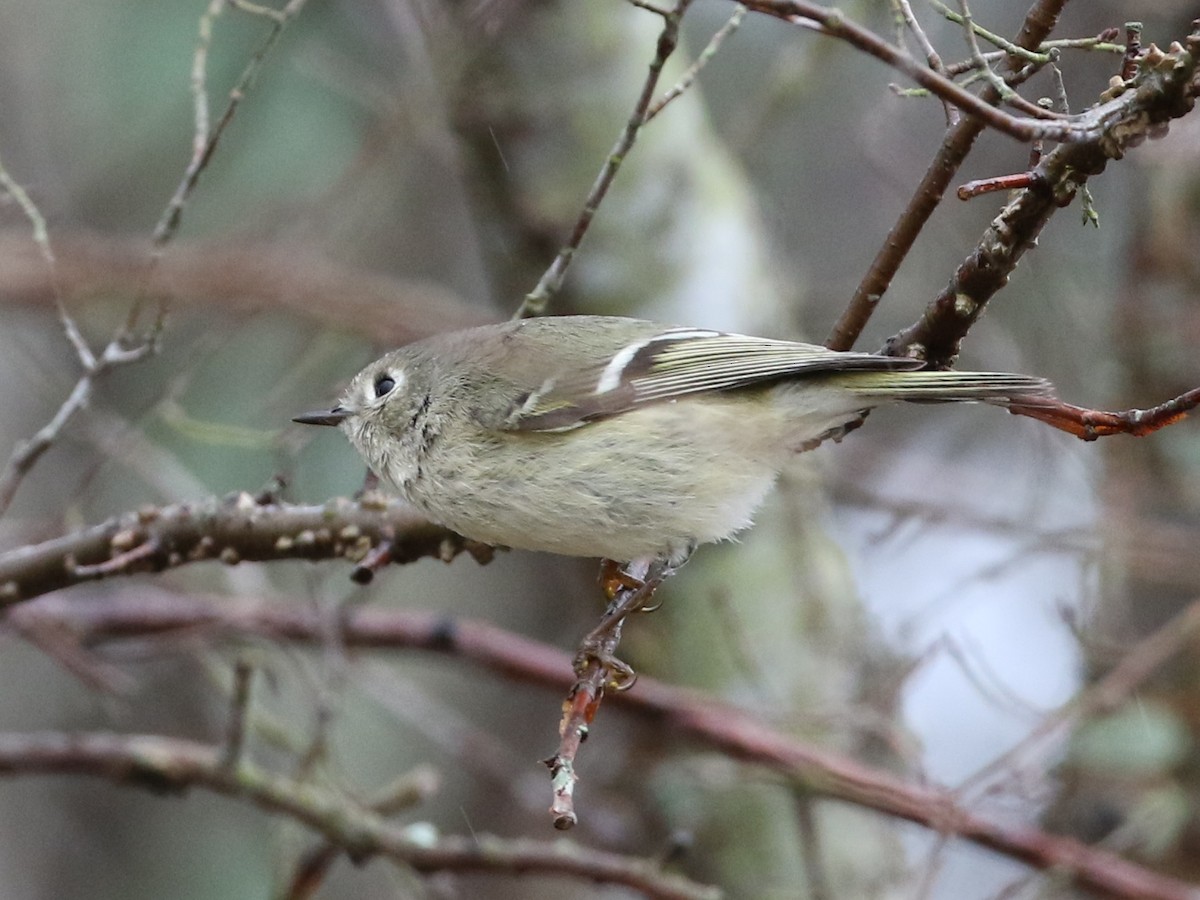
[[833, 22], [974, 29], [27, 452], [157, 762], [235, 529], [1045, 53], [205, 138], [123, 348], [904, 11], [685, 81], [956, 144], [41, 238], [982, 68], [1135, 666], [1163, 90]]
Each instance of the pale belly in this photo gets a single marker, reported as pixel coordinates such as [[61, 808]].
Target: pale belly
[[584, 493]]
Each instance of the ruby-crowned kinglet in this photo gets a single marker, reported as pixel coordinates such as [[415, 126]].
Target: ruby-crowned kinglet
[[611, 437]]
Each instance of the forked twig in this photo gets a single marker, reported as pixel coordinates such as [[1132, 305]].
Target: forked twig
[[550, 283]]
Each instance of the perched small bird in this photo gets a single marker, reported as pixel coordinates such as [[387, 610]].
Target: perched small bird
[[617, 438]]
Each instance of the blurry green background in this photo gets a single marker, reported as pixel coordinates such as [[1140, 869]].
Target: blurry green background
[[404, 167]]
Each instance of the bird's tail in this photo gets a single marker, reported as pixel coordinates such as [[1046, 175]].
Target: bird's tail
[[934, 386]]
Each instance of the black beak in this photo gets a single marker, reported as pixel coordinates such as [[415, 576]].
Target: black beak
[[322, 417]]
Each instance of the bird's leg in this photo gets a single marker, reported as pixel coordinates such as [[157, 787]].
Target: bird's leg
[[614, 577], [627, 590], [597, 669]]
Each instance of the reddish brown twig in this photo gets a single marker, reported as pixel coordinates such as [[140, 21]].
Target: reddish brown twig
[[596, 670], [1090, 424], [377, 557], [981, 186]]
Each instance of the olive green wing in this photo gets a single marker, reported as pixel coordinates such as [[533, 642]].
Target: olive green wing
[[676, 362]]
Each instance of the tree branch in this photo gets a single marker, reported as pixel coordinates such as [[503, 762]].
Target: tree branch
[[833, 22], [956, 144], [234, 529], [168, 764], [1164, 89]]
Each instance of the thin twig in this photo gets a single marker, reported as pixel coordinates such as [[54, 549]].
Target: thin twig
[[1101, 43], [904, 8], [685, 81], [205, 138], [998, 84], [235, 733], [1060, 90], [410, 789], [26, 453], [649, 7], [550, 283], [1136, 665], [41, 237], [833, 22], [973, 29]]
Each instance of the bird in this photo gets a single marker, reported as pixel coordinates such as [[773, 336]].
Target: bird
[[619, 438]]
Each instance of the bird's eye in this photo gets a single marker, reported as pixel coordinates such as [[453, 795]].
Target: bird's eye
[[384, 385]]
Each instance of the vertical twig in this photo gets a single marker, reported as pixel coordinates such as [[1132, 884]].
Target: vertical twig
[[714, 44], [550, 283], [41, 237], [1133, 48], [235, 735], [206, 137], [904, 8], [1003, 90]]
